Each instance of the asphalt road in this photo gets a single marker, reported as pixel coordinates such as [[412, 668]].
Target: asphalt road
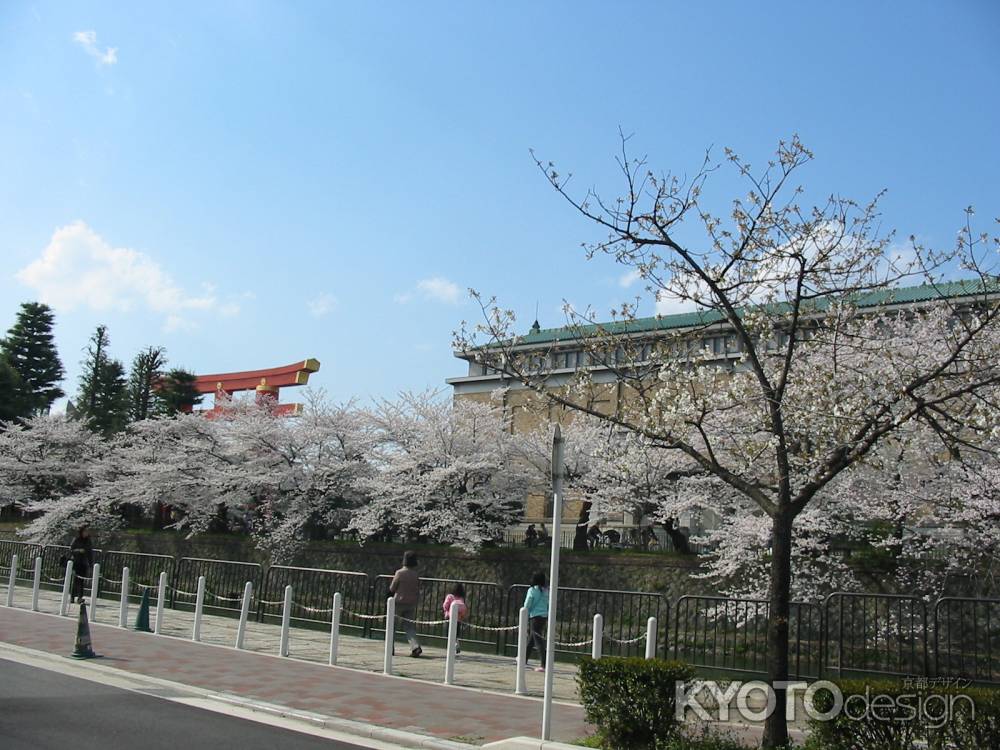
[[41, 709]]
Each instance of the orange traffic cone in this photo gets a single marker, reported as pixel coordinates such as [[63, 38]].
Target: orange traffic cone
[[83, 649]]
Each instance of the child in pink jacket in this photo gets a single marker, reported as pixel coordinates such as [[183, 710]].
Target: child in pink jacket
[[457, 595]]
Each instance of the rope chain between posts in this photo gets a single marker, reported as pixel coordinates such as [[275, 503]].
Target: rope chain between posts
[[488, 629], [181, 591], [628, 642], [572, 644], [363, 617], [223, 598], [313, 610], [422, 622], [266, 603]]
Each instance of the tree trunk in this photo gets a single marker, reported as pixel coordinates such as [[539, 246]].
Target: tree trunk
[[779, 611], [677, 537], [580, 535]]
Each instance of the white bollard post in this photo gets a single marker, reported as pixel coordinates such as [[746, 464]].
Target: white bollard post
[[241, 629], [95, 589], [449, 660], [651, 638], [123, 608], [520, 684], [286, 620], [595, 649], [390, 633], [36, 584], [67, 584], [12, 581], [338, 604], [161, 599], [199, 605]]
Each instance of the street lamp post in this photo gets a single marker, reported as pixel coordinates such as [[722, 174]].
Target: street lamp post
[[550, 635]]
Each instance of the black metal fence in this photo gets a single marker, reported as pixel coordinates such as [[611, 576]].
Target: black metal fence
[[875, 634], [485, 602], [26, 554], [730, 635], [143, 571], [848, 635], [625, 616], [312, 596], [224, 583], [967, 639], [54, 557]]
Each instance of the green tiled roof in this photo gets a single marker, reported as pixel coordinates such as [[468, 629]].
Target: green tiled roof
[[902, 295]]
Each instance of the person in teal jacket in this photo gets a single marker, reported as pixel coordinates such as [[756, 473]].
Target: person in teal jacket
[[536, 601]]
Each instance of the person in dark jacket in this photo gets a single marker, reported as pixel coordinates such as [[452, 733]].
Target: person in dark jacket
[[82, 553], [405, 587]]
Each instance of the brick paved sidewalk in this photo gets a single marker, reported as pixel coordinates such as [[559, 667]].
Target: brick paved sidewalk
[[394, 702]]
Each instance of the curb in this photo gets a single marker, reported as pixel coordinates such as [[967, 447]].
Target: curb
[[528, 743], [347, 726]]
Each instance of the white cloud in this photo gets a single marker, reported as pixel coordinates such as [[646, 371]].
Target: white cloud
[[628, 279], [436, 289], [322, 305], [79, 268], [439, 289], [668, 304], [88, 40]]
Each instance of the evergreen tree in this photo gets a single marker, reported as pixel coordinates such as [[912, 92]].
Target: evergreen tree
[[30, 350], [11, 405], [147, 370], [102, 402], [177, 392]]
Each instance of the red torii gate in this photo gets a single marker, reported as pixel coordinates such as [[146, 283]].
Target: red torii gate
[[266, 384]]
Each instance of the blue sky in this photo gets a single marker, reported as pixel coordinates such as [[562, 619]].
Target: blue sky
[[249, 184]]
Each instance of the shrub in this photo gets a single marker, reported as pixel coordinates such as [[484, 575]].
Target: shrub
[[968, 730], [706, 740], [631, 700], [952, 717]]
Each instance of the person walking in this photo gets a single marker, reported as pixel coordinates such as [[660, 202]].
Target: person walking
[[405, 588], [457, 594], [81, 551], [536, 601]]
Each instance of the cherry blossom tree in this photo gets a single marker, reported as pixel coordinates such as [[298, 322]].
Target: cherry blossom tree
[[824, 368], [443, 472], [47, 466], [276, 477]]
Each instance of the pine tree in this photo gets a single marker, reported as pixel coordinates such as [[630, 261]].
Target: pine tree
[[177, 393], [30, 350], [11, 405], [102, 402], [111, 413], [147, 370]]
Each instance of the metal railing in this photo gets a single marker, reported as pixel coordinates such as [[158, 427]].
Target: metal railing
[[224, 582], [54, 557], [716, 633], [880, 634], [625, 616], [485, 602], [967, 639], [143, 570], [312, 596], [848, 635], [26, 553]]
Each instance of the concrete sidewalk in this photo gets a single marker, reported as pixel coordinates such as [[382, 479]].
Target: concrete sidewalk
[[421, 708]]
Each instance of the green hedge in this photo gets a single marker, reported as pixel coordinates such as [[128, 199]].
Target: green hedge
[[631, 700], [943, 717]]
